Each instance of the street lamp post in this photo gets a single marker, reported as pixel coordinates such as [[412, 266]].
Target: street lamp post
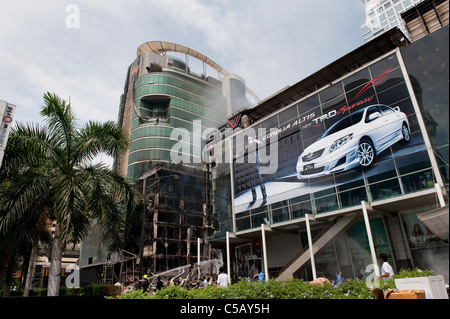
[[144, 210]]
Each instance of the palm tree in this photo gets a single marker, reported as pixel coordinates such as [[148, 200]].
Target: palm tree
[[72, 190]]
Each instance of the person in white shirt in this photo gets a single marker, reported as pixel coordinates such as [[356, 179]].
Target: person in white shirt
[[222, 280], [386, 270]]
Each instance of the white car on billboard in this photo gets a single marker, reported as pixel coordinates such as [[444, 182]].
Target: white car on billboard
[[354, 141]]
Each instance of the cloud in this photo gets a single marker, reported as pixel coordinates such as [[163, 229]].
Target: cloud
[[269, 45], [232, 33], [39, 53]]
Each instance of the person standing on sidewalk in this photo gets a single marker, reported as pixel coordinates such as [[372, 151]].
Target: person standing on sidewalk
[[222, 280]]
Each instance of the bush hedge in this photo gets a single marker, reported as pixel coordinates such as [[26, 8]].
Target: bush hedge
[[93, 290], [273, 289]]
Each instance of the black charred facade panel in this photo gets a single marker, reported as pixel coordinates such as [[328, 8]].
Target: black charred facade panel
[[175, 217]]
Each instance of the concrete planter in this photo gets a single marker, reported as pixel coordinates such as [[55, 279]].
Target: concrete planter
[[434, 286]]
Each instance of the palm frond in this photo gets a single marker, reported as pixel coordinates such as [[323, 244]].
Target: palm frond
[[112, 200], [95, 138], [28, 146], [69, 205], [60, 121], [22, 204]]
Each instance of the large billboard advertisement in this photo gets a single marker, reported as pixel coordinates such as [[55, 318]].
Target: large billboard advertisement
[[358, 130]]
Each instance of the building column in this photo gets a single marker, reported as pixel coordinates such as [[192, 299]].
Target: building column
[[228, 236], [440, 194], [198, 256], [365, 208], [266, 266], [310, 243]]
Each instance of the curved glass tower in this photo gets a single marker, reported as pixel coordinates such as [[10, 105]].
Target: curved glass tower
[[162, 94]]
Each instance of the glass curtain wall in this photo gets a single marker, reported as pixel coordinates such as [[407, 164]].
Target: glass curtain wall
[[170, 100]]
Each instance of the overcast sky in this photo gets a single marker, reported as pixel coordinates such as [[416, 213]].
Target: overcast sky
[[269, 43]]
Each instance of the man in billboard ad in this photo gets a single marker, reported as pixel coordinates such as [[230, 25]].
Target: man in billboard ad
[[355, 129], [252, 147]]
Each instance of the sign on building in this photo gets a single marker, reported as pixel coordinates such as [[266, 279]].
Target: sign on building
[[6, 117]]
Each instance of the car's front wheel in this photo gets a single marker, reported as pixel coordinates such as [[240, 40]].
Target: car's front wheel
[[366, 153], [406, 134]]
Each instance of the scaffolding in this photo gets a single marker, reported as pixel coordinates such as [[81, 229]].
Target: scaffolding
[[185, 276], [40, 271], [119, 267]]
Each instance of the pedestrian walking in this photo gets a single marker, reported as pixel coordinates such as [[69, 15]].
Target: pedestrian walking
[[159, 283], [386, 270], [339, 278], [145, 283]]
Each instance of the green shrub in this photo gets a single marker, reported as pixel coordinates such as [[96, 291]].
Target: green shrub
[[405, 273], [408, 273], [175, 292], [16, 293], [74, 291], [101, 290], [133, 294], [352, 289], [93, 290], [273, 289], [110, 290], [38, 292]]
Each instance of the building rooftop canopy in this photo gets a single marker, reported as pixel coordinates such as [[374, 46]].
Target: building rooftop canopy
[[160, 47], [420, 9]]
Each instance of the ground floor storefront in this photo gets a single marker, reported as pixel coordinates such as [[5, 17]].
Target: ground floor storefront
[[349, 243]]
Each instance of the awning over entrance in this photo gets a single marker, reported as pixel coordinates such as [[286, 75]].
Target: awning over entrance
[[436, 221]]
